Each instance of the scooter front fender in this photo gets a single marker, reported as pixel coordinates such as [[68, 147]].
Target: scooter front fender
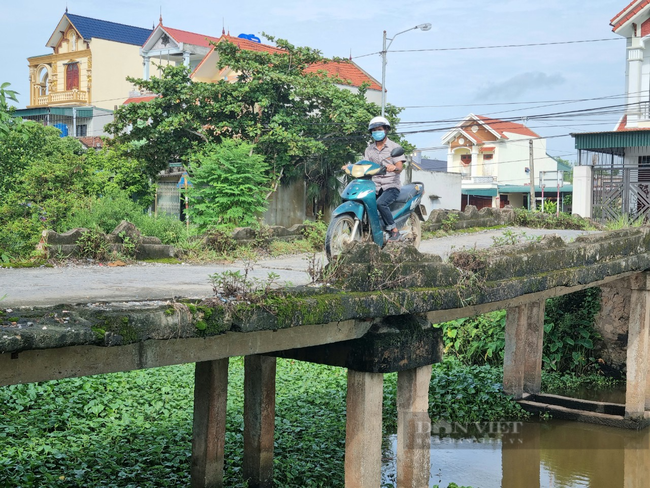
[[355, 208]]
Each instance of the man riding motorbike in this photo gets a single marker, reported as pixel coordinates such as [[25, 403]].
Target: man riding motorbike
[[387, 185]]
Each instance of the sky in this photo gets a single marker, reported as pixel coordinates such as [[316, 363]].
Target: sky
[[438, 76]]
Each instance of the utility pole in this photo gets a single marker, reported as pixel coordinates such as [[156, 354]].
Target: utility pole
[[531, 167]]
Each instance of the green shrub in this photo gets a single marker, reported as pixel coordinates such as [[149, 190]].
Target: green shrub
[[230, 186], [476, 340], [569, 335], [314, 232]]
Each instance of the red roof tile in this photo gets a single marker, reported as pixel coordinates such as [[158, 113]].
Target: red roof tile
[[91, 141], [487, 149], [631, 12], [190, 37], [503, 126], [346, 70], [139, 99]]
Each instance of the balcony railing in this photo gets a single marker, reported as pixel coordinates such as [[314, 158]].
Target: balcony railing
[[71, 96], [479, 180]]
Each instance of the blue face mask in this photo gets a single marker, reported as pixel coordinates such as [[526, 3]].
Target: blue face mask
[[379, 135]]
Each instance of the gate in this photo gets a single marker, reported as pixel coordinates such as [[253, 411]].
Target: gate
[[168, 199], [621, 192]]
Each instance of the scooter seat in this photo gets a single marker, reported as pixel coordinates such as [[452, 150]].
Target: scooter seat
[[409, 191]]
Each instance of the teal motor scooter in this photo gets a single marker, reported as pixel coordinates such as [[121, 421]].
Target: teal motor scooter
[[358, 219]]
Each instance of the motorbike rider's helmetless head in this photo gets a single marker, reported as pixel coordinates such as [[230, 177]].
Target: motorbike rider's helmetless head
[[379, 127]]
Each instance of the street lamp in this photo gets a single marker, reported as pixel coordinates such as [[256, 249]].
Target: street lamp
[[424, 27]]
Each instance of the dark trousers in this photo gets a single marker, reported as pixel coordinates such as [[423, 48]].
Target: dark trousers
[[384, 199]]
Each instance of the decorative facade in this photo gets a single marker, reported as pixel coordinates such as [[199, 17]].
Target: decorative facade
[[77, 85]]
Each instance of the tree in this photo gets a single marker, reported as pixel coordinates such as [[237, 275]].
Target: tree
[[303, 124], [229, 186], [6, 118]]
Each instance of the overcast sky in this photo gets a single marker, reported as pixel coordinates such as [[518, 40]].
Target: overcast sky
[[438, 87]]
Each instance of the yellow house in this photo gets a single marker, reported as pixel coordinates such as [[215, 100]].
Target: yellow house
[[84, 78]]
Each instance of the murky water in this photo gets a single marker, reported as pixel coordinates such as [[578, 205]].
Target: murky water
[[554, 454]]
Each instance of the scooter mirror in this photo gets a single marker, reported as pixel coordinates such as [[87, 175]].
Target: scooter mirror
[[398, 151]]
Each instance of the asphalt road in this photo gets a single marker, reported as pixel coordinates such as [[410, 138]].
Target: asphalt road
[[151, 281]]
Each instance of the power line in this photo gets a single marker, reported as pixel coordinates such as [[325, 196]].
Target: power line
[[502, 46]]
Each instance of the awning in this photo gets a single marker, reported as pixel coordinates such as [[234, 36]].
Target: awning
[[82, 112], [480, 192], [612, 142], [487, 149], [505, 189]]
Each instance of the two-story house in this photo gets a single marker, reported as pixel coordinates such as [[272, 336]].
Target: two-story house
[[494, 158], [612, 178], [76, 86]]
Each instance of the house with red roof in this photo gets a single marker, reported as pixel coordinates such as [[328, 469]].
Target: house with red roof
[[167, 46], [493, 157], [612, 178]]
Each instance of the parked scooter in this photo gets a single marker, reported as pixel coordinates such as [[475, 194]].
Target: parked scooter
[[357, 218]]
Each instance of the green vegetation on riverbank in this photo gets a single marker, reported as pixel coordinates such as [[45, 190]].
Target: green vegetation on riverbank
[[134, 429]]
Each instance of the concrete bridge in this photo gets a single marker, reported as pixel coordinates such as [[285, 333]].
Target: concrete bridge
[[374, 317]]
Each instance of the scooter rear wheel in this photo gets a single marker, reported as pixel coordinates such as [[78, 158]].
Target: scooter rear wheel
[[339, 235]]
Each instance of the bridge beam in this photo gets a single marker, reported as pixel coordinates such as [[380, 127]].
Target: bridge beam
[[363, 430], [259, 420], [209, 429], [413, 428], [637, 392]]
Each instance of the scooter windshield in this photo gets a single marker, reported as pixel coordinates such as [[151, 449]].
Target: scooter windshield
[[365, 168]]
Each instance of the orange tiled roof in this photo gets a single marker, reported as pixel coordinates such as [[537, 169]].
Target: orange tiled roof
[[630, 13], [190, 37], [502, 126], [487, 149], [346, 70], [139, 99], [91, 141], [621, 126]]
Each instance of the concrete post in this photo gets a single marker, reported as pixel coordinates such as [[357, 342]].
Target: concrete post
[[363, 430], [583, 195], [514, 353], [259, 420], [637, 348], [413, 428], [534, 337], [209, 429]]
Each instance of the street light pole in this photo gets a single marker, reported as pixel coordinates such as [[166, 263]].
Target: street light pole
[[384, 51]]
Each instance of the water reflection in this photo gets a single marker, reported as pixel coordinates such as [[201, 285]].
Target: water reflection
[[554, 454]]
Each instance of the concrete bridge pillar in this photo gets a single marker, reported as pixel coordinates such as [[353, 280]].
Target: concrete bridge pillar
[[259, 420], [534, 347], [637, 396], [522, 362], [363, 430], [209, 428], [413, 428]]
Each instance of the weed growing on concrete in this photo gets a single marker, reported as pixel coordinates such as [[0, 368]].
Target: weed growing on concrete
[[92, 244], [510, 238]]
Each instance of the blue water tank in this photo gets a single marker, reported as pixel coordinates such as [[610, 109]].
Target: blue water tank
[[250, 37], [63, 128]]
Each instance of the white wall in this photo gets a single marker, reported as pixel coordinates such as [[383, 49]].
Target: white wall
[[447, 186], [513, 158]]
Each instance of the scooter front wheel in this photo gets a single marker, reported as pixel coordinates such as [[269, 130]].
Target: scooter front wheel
[[340, 234]]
